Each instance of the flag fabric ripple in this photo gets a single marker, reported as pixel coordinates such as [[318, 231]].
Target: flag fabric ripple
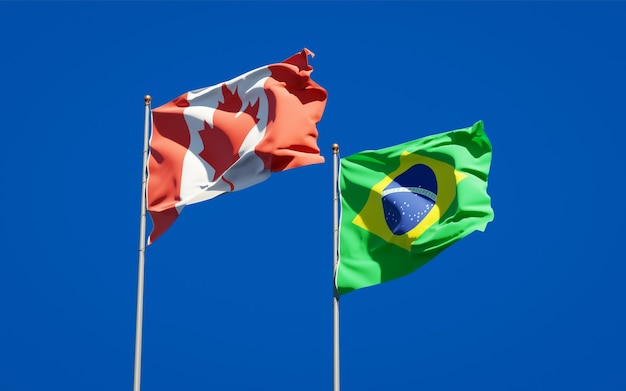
[[230, 136], [403, 205]]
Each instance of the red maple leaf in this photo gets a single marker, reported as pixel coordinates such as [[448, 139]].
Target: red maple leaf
[[223, 140]]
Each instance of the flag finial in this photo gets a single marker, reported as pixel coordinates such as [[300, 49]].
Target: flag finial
[[147, 99], [335, 148]]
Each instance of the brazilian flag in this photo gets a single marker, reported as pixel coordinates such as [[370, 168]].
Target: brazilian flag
[[403, 205]]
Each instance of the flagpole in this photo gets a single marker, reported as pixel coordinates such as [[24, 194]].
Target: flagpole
[[335, 262], [142, 249]]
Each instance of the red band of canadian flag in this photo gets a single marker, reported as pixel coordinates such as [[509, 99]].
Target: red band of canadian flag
[[230, 136]]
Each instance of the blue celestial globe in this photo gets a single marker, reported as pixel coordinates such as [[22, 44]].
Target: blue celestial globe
[[409, 198]]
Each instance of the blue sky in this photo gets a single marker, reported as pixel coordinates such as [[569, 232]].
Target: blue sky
[[238, 292]]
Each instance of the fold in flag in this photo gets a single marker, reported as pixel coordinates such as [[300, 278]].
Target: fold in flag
[[403, 205], [230, 136]]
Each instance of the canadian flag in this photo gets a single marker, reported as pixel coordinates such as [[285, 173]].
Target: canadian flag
[[230, 136]]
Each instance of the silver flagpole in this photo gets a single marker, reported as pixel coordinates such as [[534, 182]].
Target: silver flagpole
[[335, 262], [142, 248]]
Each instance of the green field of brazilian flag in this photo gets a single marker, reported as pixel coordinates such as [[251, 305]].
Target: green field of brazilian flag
[[403, 205]]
